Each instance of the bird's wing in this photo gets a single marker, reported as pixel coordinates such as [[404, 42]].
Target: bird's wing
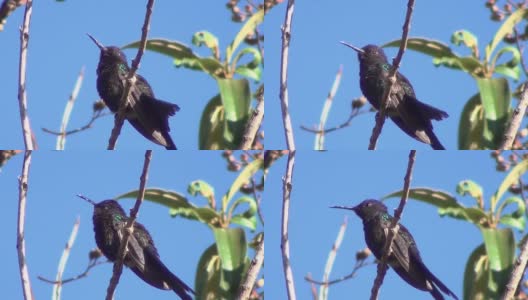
[[134, 257]]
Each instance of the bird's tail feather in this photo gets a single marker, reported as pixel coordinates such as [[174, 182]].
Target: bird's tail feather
[[428, 111], [440, 285], [435, 142]]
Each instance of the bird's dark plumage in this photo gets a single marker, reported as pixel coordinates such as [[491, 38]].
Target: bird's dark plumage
[[405, 257], [142, 258], [404, 109], [148, 115]]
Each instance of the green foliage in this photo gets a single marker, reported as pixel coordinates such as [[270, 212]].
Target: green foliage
[[489, 266], [485, 115], [225, 115], [222, 265]]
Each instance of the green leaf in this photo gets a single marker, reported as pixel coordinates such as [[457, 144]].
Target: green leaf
[[471, 126], [232, 249], [208, 276], [470, 187], [510, 68], [248, 28], [476, 275], [500, 248], [242, 179], [446, 203], [496, 98], [442, 55], [202, 188], [512, 178], [506, 28], [207, 39], [427, 195], [473, 215], [426, 46], [212, 125], [249, 217], [183, 56], [517, 219], [178, 205], [167, 198], [251, 69], [236, 100], [466, 38], [468, 64]]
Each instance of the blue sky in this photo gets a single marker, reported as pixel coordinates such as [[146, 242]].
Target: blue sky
[[59, 47], [55, 180], [331, 178], [316, 54]]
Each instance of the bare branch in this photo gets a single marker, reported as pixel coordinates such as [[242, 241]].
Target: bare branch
[[22, 99], [248, 282], [131, 79], [354, 113], [380, 116], [285, 242], [129, 229], [254, 122], [21, 243], [517, 273], [394, 227], [319, 137], [323, 292], [93, 263], [57, 287], [518, 114], [359, 264], [96, 115], [61, 139], [286, 37]]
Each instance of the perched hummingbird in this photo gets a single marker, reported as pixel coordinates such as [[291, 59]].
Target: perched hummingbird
[[411, 115], [109, 220], [405, 257], [147, 114]]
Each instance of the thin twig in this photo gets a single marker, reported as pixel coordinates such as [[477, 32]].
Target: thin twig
[[129, 229], [323, 291], [517, 272], [21, 243], [285, 242], [96, 115], [319, 137], [359, 264], [61, 139], [394, 227], [57, 287], [380, 116], [286, 37], [93, 263], [313, 288], [521, 50], [250, 278], [22, 99], [254, 122], [354, 113], [518, 114], [131, 79]]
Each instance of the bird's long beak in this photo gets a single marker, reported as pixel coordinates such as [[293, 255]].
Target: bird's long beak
[[359, 50], [344, 207], [87, 199], [96, 42]]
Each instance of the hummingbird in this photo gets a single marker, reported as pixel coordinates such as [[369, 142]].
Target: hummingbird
[[148, 115], [109, 220], [404, 109], [405, 257]]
